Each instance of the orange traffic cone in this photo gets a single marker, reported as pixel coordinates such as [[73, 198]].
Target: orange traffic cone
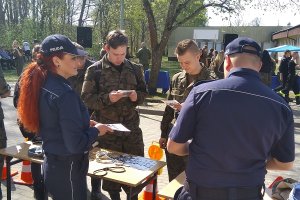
[[26, 176], [146, 194], [4, 170]]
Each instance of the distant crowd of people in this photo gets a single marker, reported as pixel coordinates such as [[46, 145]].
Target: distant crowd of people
[[17, 56]]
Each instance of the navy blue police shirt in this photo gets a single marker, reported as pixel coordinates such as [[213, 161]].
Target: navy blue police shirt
[[235, 124], [64, 120]]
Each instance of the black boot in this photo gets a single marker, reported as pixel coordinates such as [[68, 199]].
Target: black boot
[[114, 195]]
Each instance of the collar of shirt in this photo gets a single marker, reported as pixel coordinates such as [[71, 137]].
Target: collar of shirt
[[58, 77], [108, 64], [244, 71]]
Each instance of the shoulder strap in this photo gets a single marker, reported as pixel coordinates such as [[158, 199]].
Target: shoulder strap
[[133, 68]]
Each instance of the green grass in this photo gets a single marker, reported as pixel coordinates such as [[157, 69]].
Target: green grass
[[171, 66], [10, 75]]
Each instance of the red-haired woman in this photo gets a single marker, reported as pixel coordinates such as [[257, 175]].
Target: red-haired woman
[[49, 106]]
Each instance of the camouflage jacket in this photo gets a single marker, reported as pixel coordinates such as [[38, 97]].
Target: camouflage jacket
[[100, 79], [77, 81], [179, 90]]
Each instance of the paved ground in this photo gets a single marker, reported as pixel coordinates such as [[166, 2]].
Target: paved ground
[[150, 124]]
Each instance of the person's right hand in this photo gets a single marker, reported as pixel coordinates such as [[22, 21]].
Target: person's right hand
[[162, 143], [115, 96], [177, 106], [103, 129]]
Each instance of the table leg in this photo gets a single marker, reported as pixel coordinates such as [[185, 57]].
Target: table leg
[[8, 177], [129, 194], [154, 186]]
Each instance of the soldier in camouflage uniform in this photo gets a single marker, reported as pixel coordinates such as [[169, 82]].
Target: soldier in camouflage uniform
[[144, 56], [4, 92], [188, 55], [102, 93], [76, 83]]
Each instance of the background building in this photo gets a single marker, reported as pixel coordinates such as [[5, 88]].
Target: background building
[[213, 36], [289, 36]]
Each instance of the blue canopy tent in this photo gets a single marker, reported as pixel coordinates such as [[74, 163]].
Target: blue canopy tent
[[283, 48]]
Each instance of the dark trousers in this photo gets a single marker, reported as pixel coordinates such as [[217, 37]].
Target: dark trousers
[[96, 184], [65, 176], [282, 86], [191, 191], [38, 181], [175, 164], [131, 144], [292, 84]]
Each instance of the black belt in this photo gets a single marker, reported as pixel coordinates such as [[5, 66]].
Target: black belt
[[234, 193], [67, 157]]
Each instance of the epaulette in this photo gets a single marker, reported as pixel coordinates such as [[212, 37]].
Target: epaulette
[[202, 82]]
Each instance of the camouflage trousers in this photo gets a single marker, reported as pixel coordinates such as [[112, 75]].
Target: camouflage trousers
[[131, 143], [175, 164]]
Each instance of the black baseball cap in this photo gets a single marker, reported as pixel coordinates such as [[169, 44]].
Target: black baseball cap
[[238, 46], [60, 43]]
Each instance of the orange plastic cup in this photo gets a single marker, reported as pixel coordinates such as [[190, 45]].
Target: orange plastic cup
[[155, 152]]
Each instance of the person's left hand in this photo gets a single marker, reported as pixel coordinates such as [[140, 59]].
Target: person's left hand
[[133, 96]]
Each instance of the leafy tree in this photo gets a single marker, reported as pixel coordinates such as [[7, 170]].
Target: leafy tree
[[174, 14]]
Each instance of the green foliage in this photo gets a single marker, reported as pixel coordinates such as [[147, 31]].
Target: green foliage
[[199, 20]]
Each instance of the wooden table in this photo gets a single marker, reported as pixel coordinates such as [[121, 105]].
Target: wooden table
[[20, 152], [133, 176], [169, 191]]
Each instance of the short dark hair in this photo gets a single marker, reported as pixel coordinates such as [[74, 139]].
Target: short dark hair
[[116, 38], [185, 45]]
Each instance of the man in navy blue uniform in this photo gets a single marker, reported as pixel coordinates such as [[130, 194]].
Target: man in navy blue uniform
[[254, 133]]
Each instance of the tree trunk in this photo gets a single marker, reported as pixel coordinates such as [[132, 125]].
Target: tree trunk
[[21, 11], [2, 13], [156, 65], [15, 12], [33, 8], [80, 22], [144, 29], [10, 13], [43, 16]]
